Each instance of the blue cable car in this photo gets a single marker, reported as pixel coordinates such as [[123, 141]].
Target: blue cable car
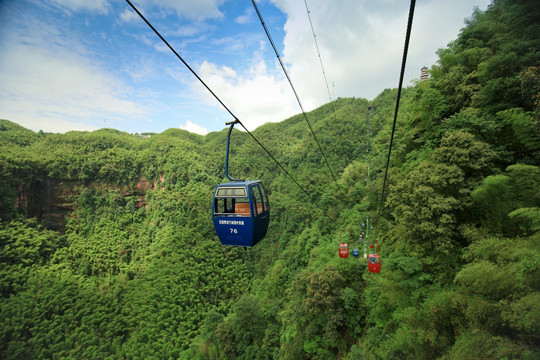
[[241, 211], [355, 252]]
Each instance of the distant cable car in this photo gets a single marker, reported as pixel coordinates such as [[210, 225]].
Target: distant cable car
[[374, 263], [355, 252], [343, 250], [241, 211]]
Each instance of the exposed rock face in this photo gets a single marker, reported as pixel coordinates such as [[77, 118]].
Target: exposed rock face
[[48, 200], [52, 199]]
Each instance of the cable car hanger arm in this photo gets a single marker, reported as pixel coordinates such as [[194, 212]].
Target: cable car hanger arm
[[231, 123]]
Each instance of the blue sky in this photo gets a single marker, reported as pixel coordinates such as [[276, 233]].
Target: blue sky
[[84, 65]]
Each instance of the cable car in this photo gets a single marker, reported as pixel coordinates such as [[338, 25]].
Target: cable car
[[240, 211], [355, 252], [343, 250], [374, 263]]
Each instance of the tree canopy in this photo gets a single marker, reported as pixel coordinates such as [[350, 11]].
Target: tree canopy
[[107, 246]]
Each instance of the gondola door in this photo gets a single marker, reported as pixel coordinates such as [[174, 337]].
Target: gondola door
[[260, 210]]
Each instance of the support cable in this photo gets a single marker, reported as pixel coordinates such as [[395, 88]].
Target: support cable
[[405, 50], [320, 60], [221, 102], [318, 52], [295, 93]]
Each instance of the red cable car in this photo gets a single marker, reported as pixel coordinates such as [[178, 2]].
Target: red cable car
[[343, 250], [374, 263]]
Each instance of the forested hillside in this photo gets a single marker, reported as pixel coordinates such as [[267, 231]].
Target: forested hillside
[[107, 248]]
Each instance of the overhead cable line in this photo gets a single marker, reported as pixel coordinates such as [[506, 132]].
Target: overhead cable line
[[221, 102], [405, 50], [318, 52], [295, 93], [320, 60]]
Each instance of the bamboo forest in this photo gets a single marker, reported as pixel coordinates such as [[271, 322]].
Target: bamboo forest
[[108, 249]]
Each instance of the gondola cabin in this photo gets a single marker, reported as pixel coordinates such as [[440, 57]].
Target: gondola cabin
[[355, 252], [343, 250], [241, 212], [374, 263]]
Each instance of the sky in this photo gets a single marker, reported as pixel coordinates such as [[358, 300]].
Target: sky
[[84, 65]]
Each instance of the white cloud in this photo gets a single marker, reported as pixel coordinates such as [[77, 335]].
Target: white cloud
[[49, 80], [190, 9], [189, 30], [52, 76], [99, 6], [246, 17], [361, 43], [255, 97], [59, 84], [194, 128], [141, 70], [58, 124], [129, 16], [361, 53]]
